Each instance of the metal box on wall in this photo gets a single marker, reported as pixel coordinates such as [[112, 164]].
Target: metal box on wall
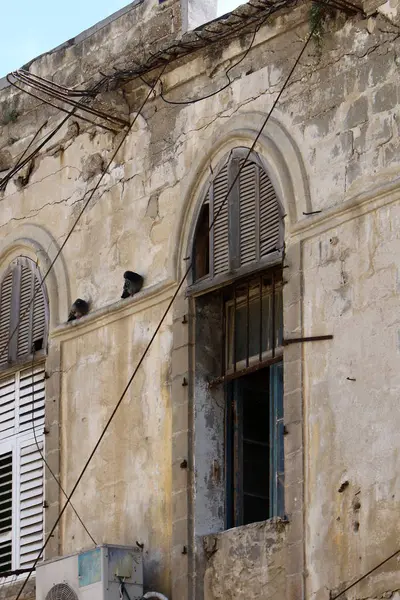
[[96, 574]]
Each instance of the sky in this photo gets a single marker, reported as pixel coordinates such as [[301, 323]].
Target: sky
[[31, 28]]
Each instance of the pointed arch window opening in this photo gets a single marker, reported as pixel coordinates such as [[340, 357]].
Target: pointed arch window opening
[[243, 360], [245, 230], [21, 283]]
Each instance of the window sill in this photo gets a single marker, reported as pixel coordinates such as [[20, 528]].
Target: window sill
[[23, 363], [207, 284], [145, 299], [239, 562]]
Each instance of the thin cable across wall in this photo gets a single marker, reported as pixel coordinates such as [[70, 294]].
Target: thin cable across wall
[[91, 194], [42, 455], [160, 323]]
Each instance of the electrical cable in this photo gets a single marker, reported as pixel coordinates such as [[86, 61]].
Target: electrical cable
[[149, 344], [365, 575], [22, 154], [237, 63], [126, 133], [42, 455], [48, 137]]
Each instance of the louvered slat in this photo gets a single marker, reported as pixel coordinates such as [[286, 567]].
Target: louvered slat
[[31, 503], [31, 398], [247, 212], [220, 227], [270, 218], [5, 556], [7, 407], [39, 313], [6, 482], [5, 315], [24, 311]]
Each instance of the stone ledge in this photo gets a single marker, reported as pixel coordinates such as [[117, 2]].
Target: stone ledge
[[247, 562], [156, 294]]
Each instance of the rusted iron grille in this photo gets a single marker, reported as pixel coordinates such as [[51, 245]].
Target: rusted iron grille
[[253, 325]]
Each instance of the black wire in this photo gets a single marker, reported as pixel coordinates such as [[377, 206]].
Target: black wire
[[123, 588], [20, 164], [365, 575], [42, 455], [22, 154], [149, 344], [84, 206], [241, 59]]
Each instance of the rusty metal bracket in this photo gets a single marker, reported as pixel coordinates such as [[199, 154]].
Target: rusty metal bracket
[[313, 338]]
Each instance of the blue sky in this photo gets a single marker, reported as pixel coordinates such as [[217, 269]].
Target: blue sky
[[31, 28]]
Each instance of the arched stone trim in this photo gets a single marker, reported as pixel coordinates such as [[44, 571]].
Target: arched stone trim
[[36, 243], [281, 159], [285, 168]]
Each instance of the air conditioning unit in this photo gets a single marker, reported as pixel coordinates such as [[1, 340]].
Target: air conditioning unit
[[103, 573]]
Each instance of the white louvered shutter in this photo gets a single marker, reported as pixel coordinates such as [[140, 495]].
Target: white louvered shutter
[[7, 406], [5, 315], [270, 217], [6, 497], [247, 212], [30, 526], [221, 222], [25, 297], [31, 399]]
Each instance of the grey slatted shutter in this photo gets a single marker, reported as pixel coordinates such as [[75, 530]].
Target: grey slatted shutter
[[20, 314], [270, 217], [25, 309], [248, 180], [5, 315], [220, 245], [39, 312], [30, 502]]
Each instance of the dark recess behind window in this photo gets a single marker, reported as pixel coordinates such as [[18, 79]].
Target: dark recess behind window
[[202, 244]]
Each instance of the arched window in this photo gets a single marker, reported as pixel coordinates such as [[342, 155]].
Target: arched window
[[237, 285], [248, 227], [20, 285], [23, 309]]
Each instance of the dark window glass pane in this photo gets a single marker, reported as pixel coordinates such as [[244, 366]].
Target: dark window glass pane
[[255, 470], [255, 509], [255, 407]]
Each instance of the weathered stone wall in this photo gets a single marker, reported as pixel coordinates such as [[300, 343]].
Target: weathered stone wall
[[339, 117], [247, 562]]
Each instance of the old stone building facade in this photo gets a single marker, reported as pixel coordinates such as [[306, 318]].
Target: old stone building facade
[[248, 465]]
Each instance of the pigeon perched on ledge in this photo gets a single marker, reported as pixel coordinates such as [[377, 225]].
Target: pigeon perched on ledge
[[79, 309], [132, 285]]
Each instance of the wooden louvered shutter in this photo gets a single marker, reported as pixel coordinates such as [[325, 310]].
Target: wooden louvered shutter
[[5, 315], [7, 407], [219, 237], [25, 297], [270, 218], [39, 313], [6, 497], [248, 180], [30, 502]]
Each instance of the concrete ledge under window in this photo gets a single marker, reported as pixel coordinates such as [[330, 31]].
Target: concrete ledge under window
[[246, 563], [10, 586]]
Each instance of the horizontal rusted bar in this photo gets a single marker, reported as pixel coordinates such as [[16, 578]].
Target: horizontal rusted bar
[[245, 371], [313, 338]]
